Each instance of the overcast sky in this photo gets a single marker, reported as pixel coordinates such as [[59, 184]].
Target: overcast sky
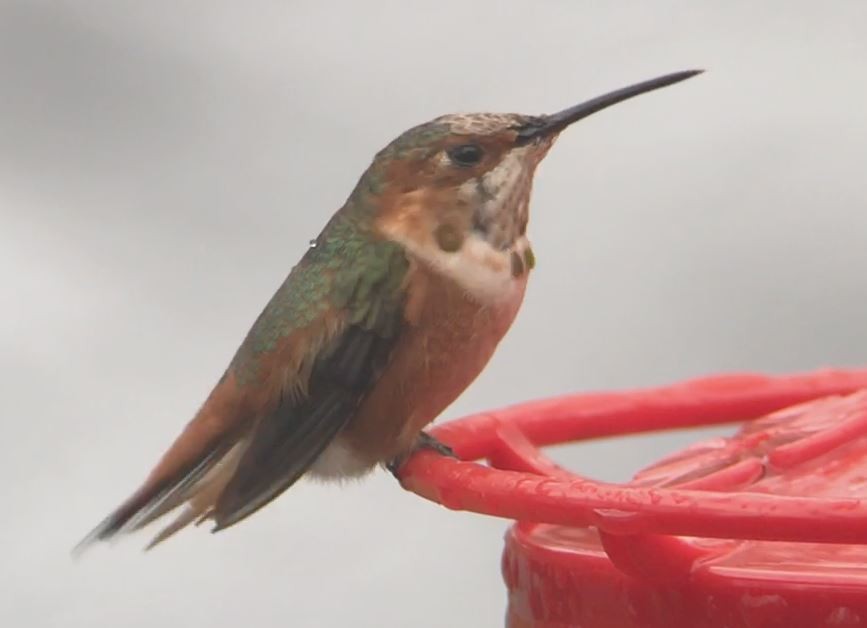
[[163, 165]]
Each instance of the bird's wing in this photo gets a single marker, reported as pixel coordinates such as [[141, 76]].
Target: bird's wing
[[306, 365]]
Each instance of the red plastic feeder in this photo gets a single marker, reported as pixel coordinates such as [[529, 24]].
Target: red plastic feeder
[[765, 529]]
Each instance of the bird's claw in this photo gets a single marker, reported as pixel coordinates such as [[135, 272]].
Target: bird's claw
[[424, 441]]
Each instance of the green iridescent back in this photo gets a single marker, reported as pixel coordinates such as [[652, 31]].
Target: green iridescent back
[[348, 268]]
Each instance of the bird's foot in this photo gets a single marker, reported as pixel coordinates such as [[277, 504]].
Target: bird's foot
[[424, 441]]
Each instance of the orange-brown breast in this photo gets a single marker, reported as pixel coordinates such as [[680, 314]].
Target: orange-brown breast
[[448, 341]]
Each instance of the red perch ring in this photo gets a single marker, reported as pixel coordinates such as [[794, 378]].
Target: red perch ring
[[763, 529]]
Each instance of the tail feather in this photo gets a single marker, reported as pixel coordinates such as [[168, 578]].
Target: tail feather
[[151, 502], [193, 471], [194, 464], [202, 497]]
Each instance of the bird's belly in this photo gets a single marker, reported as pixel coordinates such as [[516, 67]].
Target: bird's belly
[[434, 363]]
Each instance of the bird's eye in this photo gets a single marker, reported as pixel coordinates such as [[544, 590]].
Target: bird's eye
[[465, 154]]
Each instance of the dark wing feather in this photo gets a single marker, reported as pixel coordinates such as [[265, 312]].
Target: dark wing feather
[[367, 289], [289, 440], [230, 461]]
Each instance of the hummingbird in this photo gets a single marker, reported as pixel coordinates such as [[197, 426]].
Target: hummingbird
[[394, 309]]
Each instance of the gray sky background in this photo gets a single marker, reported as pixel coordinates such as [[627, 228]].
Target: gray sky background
[[163, 165]]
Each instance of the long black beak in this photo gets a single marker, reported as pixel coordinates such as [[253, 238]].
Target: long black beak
[[556, 122]]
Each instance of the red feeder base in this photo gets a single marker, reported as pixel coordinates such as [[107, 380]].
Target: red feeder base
[[765, 529]]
